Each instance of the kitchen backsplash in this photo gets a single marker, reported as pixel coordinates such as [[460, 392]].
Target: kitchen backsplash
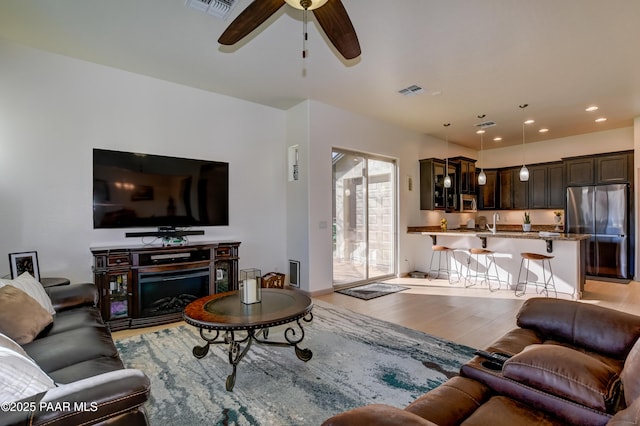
[[507, 217]]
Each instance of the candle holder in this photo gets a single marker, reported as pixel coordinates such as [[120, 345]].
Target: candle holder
[[250, 286]]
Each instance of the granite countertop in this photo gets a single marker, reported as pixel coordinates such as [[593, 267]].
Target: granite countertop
[[505, 231]]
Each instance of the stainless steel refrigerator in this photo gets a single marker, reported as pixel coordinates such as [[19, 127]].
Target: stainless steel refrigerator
[[602, 211]]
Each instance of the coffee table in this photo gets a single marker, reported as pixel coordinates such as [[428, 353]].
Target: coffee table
[[225, 313]]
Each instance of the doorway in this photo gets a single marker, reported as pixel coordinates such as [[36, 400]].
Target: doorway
[[364, 218]]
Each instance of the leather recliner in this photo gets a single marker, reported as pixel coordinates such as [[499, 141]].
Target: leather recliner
[[570, 363]]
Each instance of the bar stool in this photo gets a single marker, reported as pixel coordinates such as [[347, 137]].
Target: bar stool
[[546, 282], [449, 254], [489, 259]]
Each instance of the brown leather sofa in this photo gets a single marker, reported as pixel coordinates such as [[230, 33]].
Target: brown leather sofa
[[570, 363], [78, 353]]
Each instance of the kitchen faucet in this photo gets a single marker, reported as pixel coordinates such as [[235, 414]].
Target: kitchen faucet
[[496, 217]]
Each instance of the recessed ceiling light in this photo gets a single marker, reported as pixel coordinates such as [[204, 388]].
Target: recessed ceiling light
[[592, 108], [544, 130], [497, 139], [601, 120], [529, 122]]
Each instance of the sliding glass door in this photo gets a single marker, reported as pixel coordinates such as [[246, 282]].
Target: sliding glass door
[[364, 218]]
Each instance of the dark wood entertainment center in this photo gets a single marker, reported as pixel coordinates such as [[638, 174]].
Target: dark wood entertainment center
[[144, 285]]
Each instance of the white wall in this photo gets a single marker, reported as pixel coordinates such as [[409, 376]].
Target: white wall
[[54, 110], [297, 207], [335, 128]]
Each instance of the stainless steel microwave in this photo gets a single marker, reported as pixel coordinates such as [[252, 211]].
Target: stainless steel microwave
[[468, 203]]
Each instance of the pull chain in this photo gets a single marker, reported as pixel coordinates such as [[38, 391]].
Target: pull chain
[[304, 33]]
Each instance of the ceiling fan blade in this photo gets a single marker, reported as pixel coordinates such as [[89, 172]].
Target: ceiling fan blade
[[250, 18], [335, 22]]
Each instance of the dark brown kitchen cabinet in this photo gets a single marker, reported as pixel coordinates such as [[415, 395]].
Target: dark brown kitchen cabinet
[[520, 191], [579, 171], [546, 186], [488, 193], [556, 187], [599, 169], [538, 184], [612, 168], [514, 194], [433, 194], [505, 185], [467, 175]]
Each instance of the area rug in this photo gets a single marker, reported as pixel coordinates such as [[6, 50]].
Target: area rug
[[371, 291], [357, 360]]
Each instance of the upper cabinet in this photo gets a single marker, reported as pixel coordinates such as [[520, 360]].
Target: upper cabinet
[[579, 171], [538, 186], [613, 168], [514, 194], [488, 193], [599, 169], [556, 187], [546, 186], [468, 178], [433, 194], [545, 189]]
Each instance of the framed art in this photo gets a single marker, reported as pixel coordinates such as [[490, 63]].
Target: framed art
[[26, 261]]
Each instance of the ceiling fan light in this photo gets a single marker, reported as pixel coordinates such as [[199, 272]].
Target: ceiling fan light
[[298, 4], [482, 178], [524, 174]]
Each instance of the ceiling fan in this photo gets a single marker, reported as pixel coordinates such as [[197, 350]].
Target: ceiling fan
[[330, 14]]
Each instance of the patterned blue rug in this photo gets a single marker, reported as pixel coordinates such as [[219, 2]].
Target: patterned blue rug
[[357, 360]]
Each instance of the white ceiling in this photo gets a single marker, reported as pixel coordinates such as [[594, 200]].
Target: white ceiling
[[472, 57]]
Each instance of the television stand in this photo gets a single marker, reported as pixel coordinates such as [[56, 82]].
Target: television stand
[[140, 286]]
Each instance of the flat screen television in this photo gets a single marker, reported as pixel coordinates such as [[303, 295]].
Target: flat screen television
[[132, 190]]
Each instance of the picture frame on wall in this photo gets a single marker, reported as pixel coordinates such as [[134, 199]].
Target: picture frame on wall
[[26, 261]]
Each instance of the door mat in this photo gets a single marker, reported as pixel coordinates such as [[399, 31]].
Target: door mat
[[371, 291]]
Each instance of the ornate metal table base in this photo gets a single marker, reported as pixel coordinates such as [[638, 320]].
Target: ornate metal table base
[[260, 335]]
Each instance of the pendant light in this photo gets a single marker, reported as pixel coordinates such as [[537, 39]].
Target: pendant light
[[447, 179], [482, 177], [524, 172]]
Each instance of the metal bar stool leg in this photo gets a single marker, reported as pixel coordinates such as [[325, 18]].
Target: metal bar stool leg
[[489, 259], [492, 261], [518, 283], [467, 280], [541, 287], [452, 256], [448, 254], [551, 280]]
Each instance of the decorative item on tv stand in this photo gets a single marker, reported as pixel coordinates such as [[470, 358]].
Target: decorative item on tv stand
[[250, 286]]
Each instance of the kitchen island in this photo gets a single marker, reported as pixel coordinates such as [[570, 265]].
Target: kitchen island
[[568, 251]]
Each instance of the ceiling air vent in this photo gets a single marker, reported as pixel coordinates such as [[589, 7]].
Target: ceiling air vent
[[411, 90], [485, 124], [218, 8]]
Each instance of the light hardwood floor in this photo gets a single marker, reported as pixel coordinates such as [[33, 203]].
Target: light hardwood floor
[[470, 316]]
